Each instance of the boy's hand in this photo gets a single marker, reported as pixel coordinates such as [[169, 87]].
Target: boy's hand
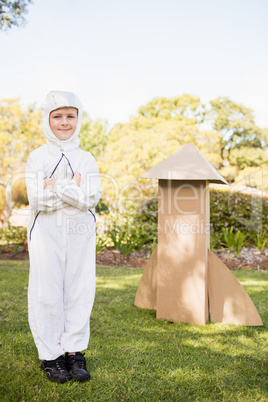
[[49, 184], [77, 178]]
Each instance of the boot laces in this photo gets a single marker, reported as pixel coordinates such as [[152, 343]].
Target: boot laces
[[60, 364], [80, 362]]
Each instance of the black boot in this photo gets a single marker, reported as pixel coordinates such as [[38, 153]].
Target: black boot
[[76, 364], [56, 370]]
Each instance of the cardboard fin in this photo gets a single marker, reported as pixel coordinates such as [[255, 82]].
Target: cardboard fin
[[146, 293], [229, 303]]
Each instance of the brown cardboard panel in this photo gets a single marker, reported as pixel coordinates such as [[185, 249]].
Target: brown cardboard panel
[[185, 164], [180, 197], [183, 239], [181, 273], [229, 303], [146, 293]]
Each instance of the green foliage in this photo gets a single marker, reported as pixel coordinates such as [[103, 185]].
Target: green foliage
[[149, 211], [12, 13], [224, 131], [213, 241], [19, 193], [118, 237], [260, 241], [160, 128], [102, 207], [13, 239], [247, 157], [176, 362], [253, 177], [20, 133], [229, 173], [239, 242], [102, 242], [237, 127], [245, 212], [131, 233], [233, 240], [93, 135], [228, 237], [235, 218], [186, 105]]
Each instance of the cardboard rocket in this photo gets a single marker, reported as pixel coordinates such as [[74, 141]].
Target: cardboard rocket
[[183, 280]]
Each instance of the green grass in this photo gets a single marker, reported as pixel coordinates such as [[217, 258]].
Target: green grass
[[132, 356]]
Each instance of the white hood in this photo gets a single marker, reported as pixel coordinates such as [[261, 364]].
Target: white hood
[[56, 100]]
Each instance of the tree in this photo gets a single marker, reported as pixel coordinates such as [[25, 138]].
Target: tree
[[223, 131], [238, 131], [93, 135], [12, 13], [244, 157], [160, 128], [181, 106], [20, 132]]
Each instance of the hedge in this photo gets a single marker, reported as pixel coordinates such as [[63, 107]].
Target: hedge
[[237, 211]]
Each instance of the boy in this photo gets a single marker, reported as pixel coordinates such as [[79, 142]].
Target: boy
[[63, 187]]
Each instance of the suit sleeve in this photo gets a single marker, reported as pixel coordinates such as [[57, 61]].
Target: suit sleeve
[[40, 199], [85, 196]]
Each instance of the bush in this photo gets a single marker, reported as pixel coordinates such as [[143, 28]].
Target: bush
[[128, 232], [133, 232], [13, 239], [102, 207], [233, 241], [19, 193], [247, 214], [260, 241], [102, 242]]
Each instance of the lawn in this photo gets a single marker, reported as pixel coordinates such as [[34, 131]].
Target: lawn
[[132, 356]]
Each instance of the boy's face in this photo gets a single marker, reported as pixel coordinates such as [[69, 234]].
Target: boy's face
[[63, 122]]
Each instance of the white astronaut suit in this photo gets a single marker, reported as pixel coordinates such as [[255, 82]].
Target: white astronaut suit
[[61, 238]]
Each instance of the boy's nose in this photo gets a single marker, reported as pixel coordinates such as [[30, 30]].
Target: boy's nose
[[64, 121]]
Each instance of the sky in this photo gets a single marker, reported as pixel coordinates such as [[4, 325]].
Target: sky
[[118, 55]]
